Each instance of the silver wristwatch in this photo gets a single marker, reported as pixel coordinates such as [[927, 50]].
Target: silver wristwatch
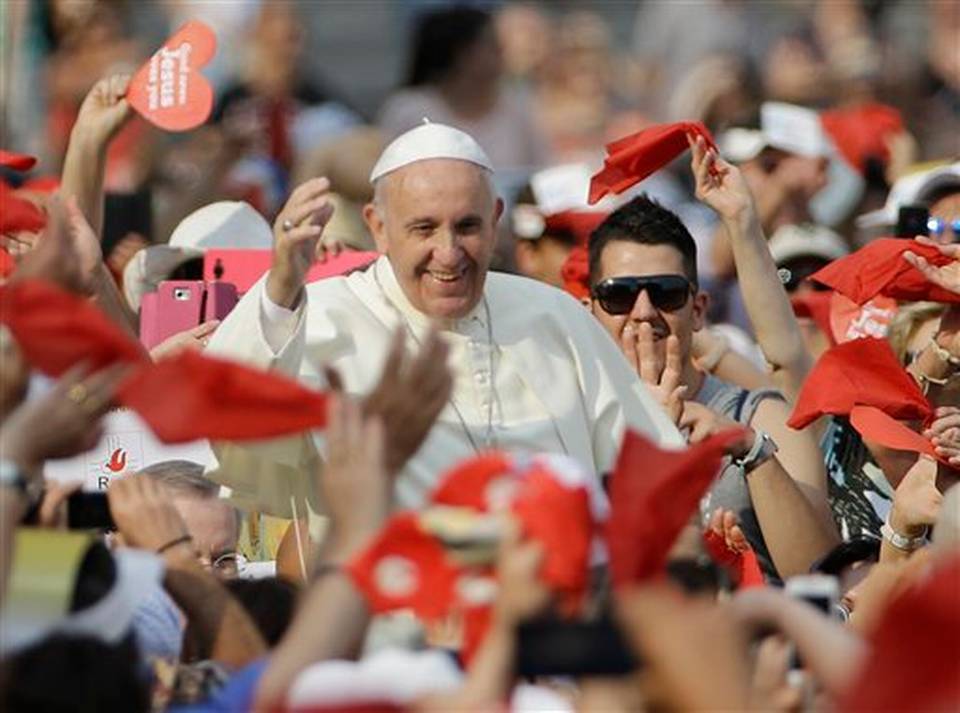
[[902, 542], [762, 450]]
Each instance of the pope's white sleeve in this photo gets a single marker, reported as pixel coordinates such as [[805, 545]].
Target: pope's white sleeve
[[263, 334]]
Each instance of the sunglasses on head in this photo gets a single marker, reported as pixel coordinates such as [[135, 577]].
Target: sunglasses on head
[[617, 295], [938, 226]]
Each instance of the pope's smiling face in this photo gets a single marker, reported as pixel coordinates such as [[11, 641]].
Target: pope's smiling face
[[436, 222]]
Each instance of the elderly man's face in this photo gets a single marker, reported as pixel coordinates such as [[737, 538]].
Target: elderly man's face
[[215, 529], [437, 225]]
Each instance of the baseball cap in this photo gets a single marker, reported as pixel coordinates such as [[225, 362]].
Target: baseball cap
[[790, 242], [915, 187]]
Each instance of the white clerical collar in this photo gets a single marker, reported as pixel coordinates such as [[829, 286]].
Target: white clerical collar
[[394, 294]]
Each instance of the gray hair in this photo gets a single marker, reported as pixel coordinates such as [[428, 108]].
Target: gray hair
[[183, 477]]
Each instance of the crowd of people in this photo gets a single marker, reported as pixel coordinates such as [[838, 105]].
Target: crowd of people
[[577, 379]]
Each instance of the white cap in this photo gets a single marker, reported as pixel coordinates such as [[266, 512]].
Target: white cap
[[912, 188], [788, 127], [226, 224], [793, 241], [429, 141]]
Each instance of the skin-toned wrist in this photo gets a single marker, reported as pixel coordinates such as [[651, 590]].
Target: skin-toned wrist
[[742, 222], [902, 526], [283, 290]]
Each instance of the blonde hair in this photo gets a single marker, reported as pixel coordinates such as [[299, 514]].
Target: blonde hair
[[907, 322]]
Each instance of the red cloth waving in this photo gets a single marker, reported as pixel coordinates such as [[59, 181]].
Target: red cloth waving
[[57, 329], [912, 664], [635, 157], [860, 372], [576, 273], [653, 493], [16, 161], [17, 214], [190, 396], [861, 132], [879, 269]]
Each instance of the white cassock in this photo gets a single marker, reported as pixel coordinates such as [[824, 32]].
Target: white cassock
[[557, 384]]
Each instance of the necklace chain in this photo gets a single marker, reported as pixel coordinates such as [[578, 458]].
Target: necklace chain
[[488, 438]]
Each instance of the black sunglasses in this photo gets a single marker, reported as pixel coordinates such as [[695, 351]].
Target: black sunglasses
[[617, 295]]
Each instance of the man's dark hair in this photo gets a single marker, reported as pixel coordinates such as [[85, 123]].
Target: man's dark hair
[[643, 221], [440, 38]]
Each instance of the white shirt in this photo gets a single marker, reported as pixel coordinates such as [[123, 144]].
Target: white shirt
[[559, 384]]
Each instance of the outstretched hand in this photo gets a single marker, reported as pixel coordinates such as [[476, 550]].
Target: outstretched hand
[[105, 109], [719, 184], [296, 240], [947, 276]]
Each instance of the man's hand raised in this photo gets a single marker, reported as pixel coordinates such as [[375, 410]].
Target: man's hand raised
[[296, 240]]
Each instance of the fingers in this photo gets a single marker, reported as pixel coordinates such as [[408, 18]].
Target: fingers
[[649, 362], [673, 366], [628, 345], [948, 249], [942, 424], [51, 513], [205, 329], [309, 210]]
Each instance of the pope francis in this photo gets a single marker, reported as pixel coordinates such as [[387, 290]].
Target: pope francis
[[532, 370]]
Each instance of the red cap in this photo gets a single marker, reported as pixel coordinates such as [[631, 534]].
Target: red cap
[[815, 306], [580, 223], [17, 214], [17, 161], [860, 372], [405, 568], [635, 157], [576, 273], [912, 658], [653, 492], [879, 269], [861, 132], [191, 396]]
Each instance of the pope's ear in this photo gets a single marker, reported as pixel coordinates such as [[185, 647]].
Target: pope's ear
[[375, 224], [498, 211]]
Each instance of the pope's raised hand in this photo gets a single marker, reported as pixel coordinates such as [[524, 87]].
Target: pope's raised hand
[[296, 240]]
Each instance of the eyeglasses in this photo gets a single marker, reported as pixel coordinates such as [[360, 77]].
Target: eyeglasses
[[617, 295], [226, 566], [938, 226]]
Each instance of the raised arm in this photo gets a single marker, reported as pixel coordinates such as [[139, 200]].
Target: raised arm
[[722, 187]]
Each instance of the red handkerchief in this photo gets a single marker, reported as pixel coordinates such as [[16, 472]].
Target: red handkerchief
[[861, 132], [879, 269], [576, 272], [652, 494], [874, 425], [404, 568], [849, 321], [169, 90], [16, 161], [861, 372], [578, 222], [635, 157], [191, 396], [912, 662], [487, 483], [7, 263], [17, 214], [57, 329]]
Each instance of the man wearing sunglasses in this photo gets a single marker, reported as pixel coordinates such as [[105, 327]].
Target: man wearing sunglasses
[[645, 293]]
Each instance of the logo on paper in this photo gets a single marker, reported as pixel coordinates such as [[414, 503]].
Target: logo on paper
[[118, 455]]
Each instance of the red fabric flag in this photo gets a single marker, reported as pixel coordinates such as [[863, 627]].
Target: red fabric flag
[[7, 263], [41, 184], [849, 321], [860, 372], [17, 214], [576, 273], [191, 396], [17, 161], [861, 132], [874, 425], [879, 269], [57, 329], [487, 483], [744, 567], [635, 157], [653, 493], [912, 664], [405, 568]]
